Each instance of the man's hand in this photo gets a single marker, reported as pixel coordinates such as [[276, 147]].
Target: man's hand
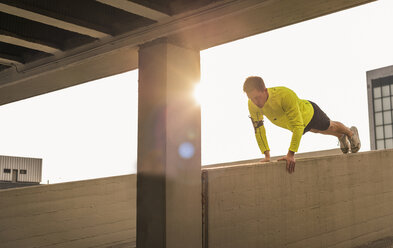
[[290, 158], [267, 157]]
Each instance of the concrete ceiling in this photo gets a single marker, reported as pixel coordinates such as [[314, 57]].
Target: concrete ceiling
[[47, 45]]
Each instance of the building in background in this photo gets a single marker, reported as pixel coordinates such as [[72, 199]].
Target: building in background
[[19, 172], [380, 107]]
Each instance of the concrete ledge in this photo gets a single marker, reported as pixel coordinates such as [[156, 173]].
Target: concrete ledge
[[316, 154], [333, 201]]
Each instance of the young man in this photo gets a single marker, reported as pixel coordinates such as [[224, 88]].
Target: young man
[[284, 109]]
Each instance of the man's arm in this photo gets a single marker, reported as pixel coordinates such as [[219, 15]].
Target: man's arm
[[290, 105], [296, 121], [260, 132], [291, 108]]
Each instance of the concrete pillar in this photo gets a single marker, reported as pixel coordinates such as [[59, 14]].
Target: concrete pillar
[[169, 211]]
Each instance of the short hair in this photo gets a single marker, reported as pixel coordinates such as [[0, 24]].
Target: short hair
[[252, 83]]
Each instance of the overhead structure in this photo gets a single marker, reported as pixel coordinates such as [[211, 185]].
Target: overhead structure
[[51, 21], [42, 41], [137, 9]]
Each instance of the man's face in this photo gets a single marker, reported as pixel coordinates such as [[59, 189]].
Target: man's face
[[258, 97]]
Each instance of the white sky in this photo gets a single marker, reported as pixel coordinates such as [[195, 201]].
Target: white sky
[[90, 130]]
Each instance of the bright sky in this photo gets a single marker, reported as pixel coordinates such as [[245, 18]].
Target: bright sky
[[90, 131]]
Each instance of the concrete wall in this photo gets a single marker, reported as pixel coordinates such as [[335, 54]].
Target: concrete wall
[[330, 201], [93, 213], [333, 201]]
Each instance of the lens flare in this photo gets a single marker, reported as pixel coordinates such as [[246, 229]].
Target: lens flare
[[186, 150], [198, 93]]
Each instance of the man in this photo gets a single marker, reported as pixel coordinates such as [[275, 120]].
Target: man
[[284, 109]]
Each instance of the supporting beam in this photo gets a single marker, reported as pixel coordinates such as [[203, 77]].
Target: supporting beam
[[136, 9], [60, 77], [24, 43], [169, 189], [51, 21]]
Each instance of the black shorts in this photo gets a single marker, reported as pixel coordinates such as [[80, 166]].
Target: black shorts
[[319, 121]]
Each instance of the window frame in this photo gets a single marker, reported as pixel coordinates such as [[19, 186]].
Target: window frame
[[381, 83]]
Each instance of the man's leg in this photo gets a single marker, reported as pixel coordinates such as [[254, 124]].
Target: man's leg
[[344, 134], [335, 128]]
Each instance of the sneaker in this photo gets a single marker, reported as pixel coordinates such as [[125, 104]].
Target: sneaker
[[354, 140], [344, 143]]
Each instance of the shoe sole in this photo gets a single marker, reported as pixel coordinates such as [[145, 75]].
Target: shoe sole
[[344, 144], [355, 149], [345, 151]]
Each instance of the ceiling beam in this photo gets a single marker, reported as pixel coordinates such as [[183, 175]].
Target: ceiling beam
[[136, 9], [51, 21], [9, 61], [28, 44]]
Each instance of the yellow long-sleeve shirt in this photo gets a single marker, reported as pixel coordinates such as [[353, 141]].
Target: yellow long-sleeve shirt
[[284, 109]]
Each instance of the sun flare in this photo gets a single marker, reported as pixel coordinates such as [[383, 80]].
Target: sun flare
[[198, 93]]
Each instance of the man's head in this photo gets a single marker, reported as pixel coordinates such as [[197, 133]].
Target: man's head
[[256, 90]]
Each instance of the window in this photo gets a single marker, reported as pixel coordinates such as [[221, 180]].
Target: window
[[7, 170], [382, 90], [23, 172]]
